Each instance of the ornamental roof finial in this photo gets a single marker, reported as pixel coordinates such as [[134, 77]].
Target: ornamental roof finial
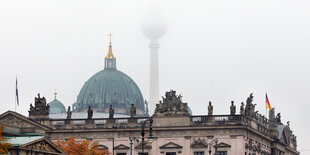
[[110, 35], [110, 54], [55, 93]]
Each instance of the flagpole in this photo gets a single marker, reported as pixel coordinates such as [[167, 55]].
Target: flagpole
[[15, 103], [15, 92], [265, 105]]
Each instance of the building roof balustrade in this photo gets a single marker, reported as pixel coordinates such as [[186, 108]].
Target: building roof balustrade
[[198, 120]]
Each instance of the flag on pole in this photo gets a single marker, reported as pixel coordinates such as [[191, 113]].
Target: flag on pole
[[268, 106], [17, 100]]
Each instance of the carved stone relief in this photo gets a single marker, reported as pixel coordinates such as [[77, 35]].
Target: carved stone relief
[[171, 105], [41, 146], [199, 143], [14, 121]]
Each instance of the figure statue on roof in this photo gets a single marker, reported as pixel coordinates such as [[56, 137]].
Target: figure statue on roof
[[250, 107], [69, 113], [133, 111], [278, 117], [232, 108], [146, 108], [242, 109], [272, 118], [210, 108], [111, 112], [89, 112], [288, 124]]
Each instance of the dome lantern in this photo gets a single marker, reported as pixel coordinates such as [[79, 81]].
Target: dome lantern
[[110, 59]]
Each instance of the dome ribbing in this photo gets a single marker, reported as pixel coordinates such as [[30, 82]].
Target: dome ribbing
[[110, 87]]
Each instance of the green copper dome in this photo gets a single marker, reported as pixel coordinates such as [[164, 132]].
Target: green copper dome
[[110, 87], [56, 107]]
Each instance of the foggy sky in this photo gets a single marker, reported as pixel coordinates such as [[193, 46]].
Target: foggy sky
[[213, 50]]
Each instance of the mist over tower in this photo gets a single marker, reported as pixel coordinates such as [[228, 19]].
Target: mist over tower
[[154, 27]]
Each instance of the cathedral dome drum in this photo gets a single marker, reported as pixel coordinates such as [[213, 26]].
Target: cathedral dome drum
[[110, 87]]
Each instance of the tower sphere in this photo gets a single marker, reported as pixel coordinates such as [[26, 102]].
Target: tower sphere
[[154, 27]]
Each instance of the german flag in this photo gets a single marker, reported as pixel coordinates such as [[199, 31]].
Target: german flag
[[268, 106]]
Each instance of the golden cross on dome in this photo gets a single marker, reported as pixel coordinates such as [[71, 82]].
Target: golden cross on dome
[[110, 35]]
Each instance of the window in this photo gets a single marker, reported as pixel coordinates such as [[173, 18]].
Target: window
[[199, 153], [222, 152], [171, 153], [120, 153], [145, 153]]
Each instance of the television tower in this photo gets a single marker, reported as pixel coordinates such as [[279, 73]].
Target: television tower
[[154, 28]]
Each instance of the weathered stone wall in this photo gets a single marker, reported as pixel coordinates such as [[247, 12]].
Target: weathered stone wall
[[231, 133]]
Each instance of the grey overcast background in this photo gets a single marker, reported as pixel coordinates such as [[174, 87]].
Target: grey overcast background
[[213, 50]]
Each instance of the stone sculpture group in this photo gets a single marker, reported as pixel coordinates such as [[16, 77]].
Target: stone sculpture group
[[40, 107], [171, 104]]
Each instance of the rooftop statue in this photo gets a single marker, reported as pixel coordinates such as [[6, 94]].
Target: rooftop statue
[[69, 113], [133, 111], [288, 124], [242, 109], [111, 112], [171, 105], [89, 113], [210, 108], [278, 118], [272, 118], [250, 107], [271, 114], [146, 108], [40, 107], [232, 108]]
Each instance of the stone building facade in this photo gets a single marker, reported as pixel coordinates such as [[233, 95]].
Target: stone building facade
[[171, 130]]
